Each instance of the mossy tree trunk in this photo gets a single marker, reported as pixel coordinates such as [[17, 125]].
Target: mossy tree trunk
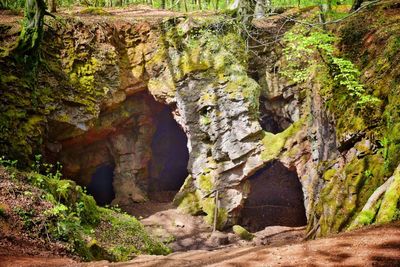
[[32, 30], [27, 47]]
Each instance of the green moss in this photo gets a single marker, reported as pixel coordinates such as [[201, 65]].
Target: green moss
[[329, 174], [126, 237], [364, 218], [194, 60], [241, 86], [188, 199], [208, 206], [204, 120], [347, 191], [208, 99], [242, 233], [94, 11], [390, 207], [83, 75], [190, 203], [393, 47], [92, 232], [89, 211], [274, 143], [206, 182]]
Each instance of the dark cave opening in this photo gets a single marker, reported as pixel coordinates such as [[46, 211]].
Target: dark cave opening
[[170, 157], [101, 184], [276, 198]]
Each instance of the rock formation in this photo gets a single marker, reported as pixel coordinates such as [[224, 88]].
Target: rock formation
[[105, 84]]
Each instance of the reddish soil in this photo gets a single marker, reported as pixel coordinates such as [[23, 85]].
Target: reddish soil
[[372, 246], [35, 261]]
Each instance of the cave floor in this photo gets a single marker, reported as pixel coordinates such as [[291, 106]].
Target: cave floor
[[184, 232]]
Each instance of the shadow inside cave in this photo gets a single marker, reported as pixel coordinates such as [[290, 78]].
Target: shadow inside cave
[[167, 169], [170, 157], [101, 185], [276, 198]]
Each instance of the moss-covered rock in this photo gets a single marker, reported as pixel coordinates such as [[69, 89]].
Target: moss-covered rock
[[242, 233], [389, 209]]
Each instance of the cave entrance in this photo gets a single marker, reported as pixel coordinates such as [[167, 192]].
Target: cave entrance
[[170, 157], [101, 184], [276, 198]]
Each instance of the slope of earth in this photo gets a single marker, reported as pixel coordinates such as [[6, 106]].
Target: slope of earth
[[45, 218], [372, 246]]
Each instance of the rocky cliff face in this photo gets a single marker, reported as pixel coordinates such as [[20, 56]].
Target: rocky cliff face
[[112, 82], [342, 153], [106, 83]]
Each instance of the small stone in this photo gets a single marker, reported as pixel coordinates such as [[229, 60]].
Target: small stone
[[179, 224], [218, 238]]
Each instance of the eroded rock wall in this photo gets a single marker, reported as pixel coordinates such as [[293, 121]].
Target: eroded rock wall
[[104, 77], [105, 82], [341, 150]]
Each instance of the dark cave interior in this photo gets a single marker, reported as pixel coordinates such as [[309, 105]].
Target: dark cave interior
[[276, 198], [170, 156], [101, 185]]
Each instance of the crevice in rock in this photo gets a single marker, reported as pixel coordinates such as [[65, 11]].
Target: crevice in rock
[[276, 198], [271, 120]]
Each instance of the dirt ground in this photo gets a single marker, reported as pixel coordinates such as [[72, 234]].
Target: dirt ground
[[195, 245], [184, 232], [372, 246], [131, 13]]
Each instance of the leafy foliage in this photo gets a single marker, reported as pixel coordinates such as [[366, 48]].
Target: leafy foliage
[[179, 5], [302, 60]]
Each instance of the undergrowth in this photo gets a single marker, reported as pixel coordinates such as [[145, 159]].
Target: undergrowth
[[302, 61], [73, 218]]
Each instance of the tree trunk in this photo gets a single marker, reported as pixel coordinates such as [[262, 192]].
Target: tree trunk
[[26, 50], [259, 11], [356, 5], [32, 31], [53, 6]]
